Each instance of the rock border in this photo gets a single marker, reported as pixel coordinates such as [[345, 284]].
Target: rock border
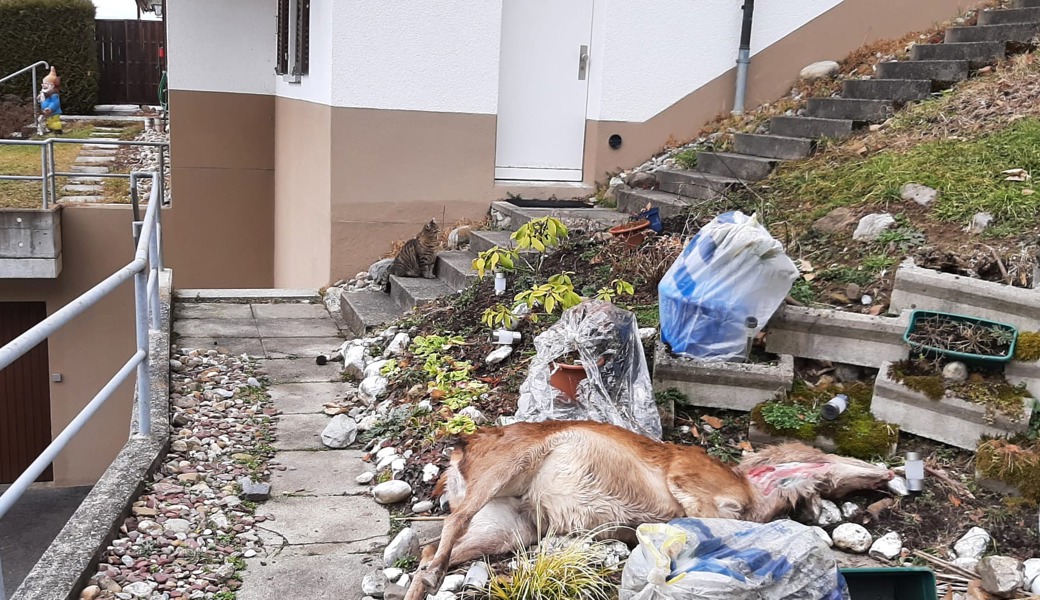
[[836, 336], [74, 554]]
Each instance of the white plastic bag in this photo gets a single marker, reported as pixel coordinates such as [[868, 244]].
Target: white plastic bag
[[731, 270], [726, 559], [617, 387]]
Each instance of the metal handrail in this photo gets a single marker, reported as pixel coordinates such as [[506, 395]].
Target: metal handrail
[[144, 269], [49, 172], [33, 68]]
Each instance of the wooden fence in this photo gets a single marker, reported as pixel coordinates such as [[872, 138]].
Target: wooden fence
[[129, 56]]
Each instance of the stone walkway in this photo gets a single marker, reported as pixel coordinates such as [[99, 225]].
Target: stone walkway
[[93, 159], [327, 532]]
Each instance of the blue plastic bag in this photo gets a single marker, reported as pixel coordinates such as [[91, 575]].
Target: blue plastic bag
[[727, 559], [731, 270]]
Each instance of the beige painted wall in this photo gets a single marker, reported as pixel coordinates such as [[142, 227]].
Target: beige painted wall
[[96, 242], [302, 186], [222, 180]]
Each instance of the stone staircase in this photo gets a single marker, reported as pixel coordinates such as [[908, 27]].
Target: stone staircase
[[367, 309], [932, 67]]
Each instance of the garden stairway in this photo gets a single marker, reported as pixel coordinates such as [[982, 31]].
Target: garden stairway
[[931, 67]]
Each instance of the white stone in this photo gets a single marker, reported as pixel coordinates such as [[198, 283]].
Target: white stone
[[178, 525], [375, 367], [968, 564], [477, 576], [391, 492], [819, 70], [149, 527], [340, 432], [823, 535], [849, 510], [647, 334], [404, 545], [871, 226], [430, 472], [498, 355], [354, 361], [443, 596], [374, 583], [367, 422], [140, 589], [458, 237], [1032, 570], [887, 546], [829, 513], [397, 465], [851, 538], [380, 271], [384, 452], [397, 345], [403, 581], [897, 485], [474, 413], [955, 371], [386, 461], [249, 553], [365, 478], [452, 583], [921, 194], [979, 222], [973, 544], [393, 573], [372, 388], [421, 507], [1000, 575]]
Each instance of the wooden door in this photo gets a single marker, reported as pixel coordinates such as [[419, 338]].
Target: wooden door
[[25, 399]]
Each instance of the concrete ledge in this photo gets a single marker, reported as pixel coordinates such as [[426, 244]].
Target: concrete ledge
[[30, 243], [918, 288], [733, 386], [825, 334], [510, 216], [1028, 373], [757, 436], [74, 554], [246, 295], [949, 420]]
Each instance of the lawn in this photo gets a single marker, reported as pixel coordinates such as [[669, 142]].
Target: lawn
[[25, 160]]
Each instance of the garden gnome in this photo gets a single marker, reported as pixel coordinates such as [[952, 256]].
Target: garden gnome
[[50, 104]]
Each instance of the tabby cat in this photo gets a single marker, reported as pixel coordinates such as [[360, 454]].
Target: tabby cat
[[418, 256]]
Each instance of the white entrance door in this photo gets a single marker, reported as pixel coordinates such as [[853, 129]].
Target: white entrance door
[[542, 89]]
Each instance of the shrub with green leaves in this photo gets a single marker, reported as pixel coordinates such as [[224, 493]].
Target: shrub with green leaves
[[60, 32]]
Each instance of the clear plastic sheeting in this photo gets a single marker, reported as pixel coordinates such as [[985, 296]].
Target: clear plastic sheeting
[[726, 559], [731, 270], [617, 387]]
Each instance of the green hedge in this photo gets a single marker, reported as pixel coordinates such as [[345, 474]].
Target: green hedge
[[60, 32]]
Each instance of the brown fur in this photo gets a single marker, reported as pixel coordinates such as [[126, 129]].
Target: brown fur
[[419, 254], [517, 482]]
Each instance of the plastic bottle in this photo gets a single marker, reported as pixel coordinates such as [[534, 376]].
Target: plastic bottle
[[835, 406], [500, 283], [914, 472], [750, 324]]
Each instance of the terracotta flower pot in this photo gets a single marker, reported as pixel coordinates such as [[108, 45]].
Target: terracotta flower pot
[[567, 377], [632, 233]]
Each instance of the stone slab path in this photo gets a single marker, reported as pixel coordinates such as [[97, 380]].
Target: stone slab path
[[93, 159], [327, 532]]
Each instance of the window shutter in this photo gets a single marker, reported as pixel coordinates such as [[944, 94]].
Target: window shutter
[[282, 63], [303, 37]]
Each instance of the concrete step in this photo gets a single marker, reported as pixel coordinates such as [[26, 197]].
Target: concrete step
[[695, 185], [409, 292], [102, 134], [455, 268], [84, 188], [978, 54], [86, 180], [108, 129], [102, 146], [483, 240], [97, 152], [944, 71], [602, 218], [810, 127], [773, 146], [95, 160], [362, 311], [1018, 33], [1026, 3], [896, 90], [84, 169], [1013, 15], [82, 199], [853, 109], [634, 200], [737, 166]]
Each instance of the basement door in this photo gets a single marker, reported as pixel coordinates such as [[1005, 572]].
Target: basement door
[[25, 397], [543, 89]]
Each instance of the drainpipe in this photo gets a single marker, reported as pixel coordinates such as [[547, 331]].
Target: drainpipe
[[743, 57]]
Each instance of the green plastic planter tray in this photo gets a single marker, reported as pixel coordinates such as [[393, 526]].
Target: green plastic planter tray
[[900, 583], [917, 315]]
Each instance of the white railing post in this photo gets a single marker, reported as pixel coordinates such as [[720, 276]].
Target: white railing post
[[144, 408]]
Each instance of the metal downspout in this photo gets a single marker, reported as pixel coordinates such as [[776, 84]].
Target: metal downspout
[[743, 57]]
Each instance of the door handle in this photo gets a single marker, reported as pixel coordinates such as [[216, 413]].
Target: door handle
[[583, 62]]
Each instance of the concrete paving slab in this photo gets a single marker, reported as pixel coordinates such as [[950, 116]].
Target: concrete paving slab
[[234, 345], [304, 398], [286, 327], [346, 520], [81, 199], [78, 188], [300, 432], [216, 328], [301, 370], [307, 347], [192, 310], [329, 473], [314, 572], [290, 311], [247, 294]]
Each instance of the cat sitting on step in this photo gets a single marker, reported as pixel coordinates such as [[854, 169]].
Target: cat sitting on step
[[418, 256]]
